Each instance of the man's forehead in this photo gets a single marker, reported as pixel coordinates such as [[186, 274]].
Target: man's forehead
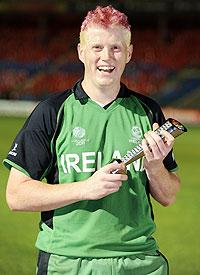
[[95, 32], [111, 29]]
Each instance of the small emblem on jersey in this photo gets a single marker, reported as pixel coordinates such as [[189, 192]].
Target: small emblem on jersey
[[78, 134], [136, 135], [13, 151]]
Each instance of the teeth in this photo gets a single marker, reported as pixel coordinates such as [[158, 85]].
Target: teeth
[[106, 68]]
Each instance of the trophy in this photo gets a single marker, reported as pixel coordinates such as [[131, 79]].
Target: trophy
[[174, 127]]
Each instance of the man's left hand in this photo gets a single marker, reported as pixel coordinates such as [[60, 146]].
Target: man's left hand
[[155, 148]]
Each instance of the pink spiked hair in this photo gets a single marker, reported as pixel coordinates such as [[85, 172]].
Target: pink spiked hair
[[105, 17]]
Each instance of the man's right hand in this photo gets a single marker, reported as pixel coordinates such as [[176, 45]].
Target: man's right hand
[[26, 194], [103, 182]]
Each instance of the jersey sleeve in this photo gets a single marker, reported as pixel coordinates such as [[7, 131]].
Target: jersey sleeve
[[31, 149]]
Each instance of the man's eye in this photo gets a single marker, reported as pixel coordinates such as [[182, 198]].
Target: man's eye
[[97, 47], [116, 48]]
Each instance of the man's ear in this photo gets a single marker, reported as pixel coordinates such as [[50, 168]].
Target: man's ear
[[129, 53], [80, 52]]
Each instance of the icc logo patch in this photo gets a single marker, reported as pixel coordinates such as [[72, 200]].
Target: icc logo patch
[[78, 136], [136, 135], [78, 132]]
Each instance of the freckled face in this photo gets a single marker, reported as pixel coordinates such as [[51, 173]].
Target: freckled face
[[104, 53]]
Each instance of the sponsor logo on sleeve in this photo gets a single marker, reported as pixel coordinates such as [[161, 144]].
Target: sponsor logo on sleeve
[[13, 152]]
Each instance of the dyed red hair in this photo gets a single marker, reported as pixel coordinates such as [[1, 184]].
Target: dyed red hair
[[105, 17]]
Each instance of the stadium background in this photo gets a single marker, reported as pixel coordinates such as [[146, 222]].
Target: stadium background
[[38, 57]]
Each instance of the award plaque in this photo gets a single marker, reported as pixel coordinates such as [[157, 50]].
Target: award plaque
[[174, 127]]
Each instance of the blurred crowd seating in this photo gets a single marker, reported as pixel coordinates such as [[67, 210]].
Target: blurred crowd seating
[[34, 62]]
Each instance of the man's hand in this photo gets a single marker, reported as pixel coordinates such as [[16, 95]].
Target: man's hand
[[26, 194], [163, 184], [103, 182], [155, 148]]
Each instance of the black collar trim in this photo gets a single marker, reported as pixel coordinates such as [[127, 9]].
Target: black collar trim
[[81, 94]]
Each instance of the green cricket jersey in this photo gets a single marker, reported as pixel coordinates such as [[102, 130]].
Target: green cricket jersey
[[66, 139]]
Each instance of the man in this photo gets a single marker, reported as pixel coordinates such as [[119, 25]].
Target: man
[[93, 221]]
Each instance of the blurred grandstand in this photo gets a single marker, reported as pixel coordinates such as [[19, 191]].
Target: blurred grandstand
[[38, 49]]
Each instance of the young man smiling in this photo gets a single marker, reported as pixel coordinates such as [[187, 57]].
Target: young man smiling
[[104, 51], [93, 221]]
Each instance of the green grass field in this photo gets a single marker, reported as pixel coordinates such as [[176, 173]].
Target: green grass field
[[178, 226]]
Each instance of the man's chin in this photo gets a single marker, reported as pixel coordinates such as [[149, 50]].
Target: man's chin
[[105, 82]]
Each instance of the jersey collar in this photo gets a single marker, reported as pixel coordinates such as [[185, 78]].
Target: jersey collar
[[80, 94]]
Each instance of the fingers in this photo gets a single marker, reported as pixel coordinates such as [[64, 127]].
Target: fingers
[[103, 182], [155, 143], [155, 146], [112, 181], [155, 126], [168, 138], [113, 186], [147, 150], [108, 176], [115, 177], [113, 166]]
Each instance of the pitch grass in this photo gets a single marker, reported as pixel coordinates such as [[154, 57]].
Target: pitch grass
[[178, 226]]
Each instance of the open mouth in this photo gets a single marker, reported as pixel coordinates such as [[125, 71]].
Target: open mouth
[[106, 69]]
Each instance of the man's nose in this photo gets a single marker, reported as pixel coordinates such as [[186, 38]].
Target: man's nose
[[106, 54]]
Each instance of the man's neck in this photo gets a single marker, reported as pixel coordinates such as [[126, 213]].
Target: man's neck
[[103, 95]]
